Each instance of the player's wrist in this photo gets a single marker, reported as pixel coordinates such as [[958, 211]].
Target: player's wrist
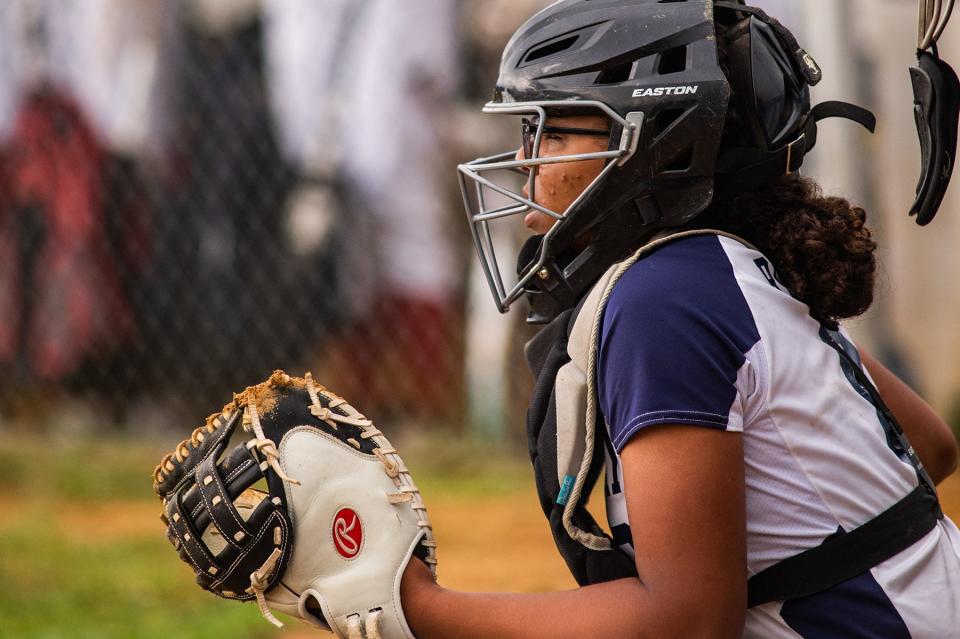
[[419, 593]]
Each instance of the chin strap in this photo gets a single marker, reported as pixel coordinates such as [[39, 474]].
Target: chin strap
[[936, 109], [740, 169]]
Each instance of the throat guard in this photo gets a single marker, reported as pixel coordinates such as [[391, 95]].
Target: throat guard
[[936, 105], [936, 109]]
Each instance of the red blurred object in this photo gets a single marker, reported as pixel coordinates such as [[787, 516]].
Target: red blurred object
[[61, 297], [405, 358]]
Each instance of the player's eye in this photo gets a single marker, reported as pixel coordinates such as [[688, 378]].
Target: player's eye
[[529, 131]]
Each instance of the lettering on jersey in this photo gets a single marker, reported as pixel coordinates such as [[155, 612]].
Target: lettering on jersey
[[612, 483], [659, 92], [837, 341], [767, 271]]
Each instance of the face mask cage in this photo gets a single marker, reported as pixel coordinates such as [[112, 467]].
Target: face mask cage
[[489, 198]]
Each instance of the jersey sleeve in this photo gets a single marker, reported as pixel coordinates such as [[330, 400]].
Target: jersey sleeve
[[675, 340]]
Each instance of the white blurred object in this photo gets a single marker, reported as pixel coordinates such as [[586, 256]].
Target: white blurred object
[[103, 53], [11, 63], [304, 45], [310, 212], [220, 17], [403, 82]]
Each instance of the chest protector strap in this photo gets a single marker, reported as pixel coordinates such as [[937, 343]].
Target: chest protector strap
[[566, 449], [565, 444]]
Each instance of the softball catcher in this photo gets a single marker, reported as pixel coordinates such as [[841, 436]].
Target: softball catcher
[[764, 477]]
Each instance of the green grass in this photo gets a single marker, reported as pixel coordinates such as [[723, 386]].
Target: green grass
[[65, 575], [53, 587], [78, 471], [444, 465], [59, 578]]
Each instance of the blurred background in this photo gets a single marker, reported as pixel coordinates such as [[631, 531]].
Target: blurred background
[[196, 192]]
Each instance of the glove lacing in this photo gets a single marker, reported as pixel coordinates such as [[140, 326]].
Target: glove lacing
[[258, 584], [183, 451], [251, 420], [372, 626], [387, 454], [393, 466], [260, 577]]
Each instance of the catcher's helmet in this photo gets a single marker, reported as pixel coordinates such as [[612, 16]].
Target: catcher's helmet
[[653, 68]]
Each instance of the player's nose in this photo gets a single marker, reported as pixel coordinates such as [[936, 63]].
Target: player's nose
[[520, 156]]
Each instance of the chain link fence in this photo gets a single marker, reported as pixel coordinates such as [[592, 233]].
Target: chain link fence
[[195, 193]]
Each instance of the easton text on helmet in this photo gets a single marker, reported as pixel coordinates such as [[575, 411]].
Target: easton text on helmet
[[662, 91]]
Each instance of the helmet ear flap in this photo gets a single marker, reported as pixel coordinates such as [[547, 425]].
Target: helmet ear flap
[[771, 99], [736, 61]]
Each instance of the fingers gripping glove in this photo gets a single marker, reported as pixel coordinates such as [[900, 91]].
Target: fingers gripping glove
[[329, 540]]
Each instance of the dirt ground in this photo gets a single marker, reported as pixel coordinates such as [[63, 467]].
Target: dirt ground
[[485, 544], [950, 496], [493, 543]]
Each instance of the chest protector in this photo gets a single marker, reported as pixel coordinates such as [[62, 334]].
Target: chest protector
[[566, 448]]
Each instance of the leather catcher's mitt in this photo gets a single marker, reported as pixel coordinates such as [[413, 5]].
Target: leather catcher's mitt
[[329, 539]]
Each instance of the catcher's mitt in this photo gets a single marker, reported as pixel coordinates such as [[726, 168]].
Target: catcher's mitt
[[330, 538]]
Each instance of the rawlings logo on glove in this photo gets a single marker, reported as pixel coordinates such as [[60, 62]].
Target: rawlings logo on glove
[[347, 536], [329, 539]]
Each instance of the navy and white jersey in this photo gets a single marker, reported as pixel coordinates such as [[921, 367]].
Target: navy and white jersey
[[701, 333]]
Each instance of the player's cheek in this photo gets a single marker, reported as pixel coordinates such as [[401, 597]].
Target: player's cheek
[[546, 182]]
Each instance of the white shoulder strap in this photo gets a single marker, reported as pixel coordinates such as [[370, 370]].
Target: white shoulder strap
[[582, 348]]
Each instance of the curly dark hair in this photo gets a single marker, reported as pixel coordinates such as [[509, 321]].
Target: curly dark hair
[[820, 246]]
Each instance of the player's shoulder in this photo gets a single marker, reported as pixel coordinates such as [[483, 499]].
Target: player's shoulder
[[688, 290], [676, 334], [700, 271]]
